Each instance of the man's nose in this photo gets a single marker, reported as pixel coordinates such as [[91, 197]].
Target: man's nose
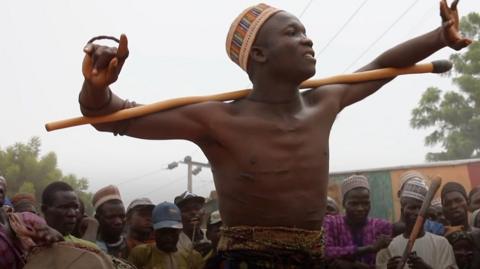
[[72, 212], [117, 221], [307, 41]]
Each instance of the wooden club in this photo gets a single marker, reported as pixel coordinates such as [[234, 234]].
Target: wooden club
[[383, 73]]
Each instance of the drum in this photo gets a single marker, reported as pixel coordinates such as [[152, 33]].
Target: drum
[[63, 255]]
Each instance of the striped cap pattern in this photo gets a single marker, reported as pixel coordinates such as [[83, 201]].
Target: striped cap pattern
[[243, 31], [410, 174], [415, 188], [105, 194], [353, 182]]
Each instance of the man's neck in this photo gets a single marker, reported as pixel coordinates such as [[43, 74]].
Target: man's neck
[[463, 222], [198, 234], [139, 236], [409, 229], [275, 92], [110, 239]]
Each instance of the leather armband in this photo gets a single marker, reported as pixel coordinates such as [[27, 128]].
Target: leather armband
[[109, 100]]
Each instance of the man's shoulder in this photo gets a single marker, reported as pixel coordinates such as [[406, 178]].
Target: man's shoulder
[[439, 240], [380, 224], [142, 250], [81, 242], [334, 219]]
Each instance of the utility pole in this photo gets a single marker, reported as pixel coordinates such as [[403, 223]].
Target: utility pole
[[191, 171]]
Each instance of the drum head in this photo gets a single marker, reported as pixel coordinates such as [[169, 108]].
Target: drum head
[[64, 255]]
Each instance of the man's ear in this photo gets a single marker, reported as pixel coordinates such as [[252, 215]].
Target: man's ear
[[258, 54]]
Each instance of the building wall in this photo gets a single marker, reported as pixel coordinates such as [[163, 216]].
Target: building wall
[[385, 184], [380, 186]]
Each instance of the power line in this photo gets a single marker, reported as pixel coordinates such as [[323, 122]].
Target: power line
[[343, 27], [381, 36], [163, 186], [305, 9], [141, 176]]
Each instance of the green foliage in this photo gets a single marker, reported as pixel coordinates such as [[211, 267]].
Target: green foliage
[[455, 115], [28, 172]]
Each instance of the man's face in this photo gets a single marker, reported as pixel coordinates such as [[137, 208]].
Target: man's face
[[435, 213], [111, 218], [3, 190], [166, 239], [192, 212], [410, 209], [62, 214], [474, 203], [288, 50], [357, 205], [455, 207], [141, 219]]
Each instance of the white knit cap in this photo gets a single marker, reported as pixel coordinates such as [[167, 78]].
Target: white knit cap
[[353, 182], [414, 188]]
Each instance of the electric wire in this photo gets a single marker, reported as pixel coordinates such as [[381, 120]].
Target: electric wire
[[305, 9], [381, 36], [343, 27]]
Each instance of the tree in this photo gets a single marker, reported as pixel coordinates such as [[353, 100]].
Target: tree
[[455, 115], [28, 172]]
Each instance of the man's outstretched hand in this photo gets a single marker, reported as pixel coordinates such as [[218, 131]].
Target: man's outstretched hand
[[450, 26], [102, 65]]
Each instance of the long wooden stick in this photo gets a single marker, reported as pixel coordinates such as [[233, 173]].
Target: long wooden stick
[[434, 186], [433, 67]]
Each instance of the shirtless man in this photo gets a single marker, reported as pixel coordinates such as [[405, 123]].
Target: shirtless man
[[269, 151]]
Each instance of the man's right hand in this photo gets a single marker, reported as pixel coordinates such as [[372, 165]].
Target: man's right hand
[[382, 242], [102, 65], [393, 262]]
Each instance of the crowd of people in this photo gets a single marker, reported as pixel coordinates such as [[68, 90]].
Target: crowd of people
[[180, 234], [269, 154]]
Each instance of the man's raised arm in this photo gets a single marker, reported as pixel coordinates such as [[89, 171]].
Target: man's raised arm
[[101, 67], [405, 54]]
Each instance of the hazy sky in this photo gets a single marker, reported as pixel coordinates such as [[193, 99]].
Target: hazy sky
[[177, 49]]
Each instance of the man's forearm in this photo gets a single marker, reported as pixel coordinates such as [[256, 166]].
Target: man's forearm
[[94, 102], [412, 51]]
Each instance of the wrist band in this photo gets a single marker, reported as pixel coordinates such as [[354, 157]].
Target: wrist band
[[109, 100]]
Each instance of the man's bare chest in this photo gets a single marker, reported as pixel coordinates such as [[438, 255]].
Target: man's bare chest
[[264, 144]]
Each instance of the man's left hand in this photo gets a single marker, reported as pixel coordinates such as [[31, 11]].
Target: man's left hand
[[450, 26], [416, 262], [44, 234]]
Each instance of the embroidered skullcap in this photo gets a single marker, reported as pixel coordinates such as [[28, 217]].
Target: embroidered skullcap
[[411, 174], [453, 187], [414, 188], [353, 182], [105, 194], [19, 197], [243, 31]]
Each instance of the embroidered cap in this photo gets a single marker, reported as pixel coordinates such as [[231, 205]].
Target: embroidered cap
[[105, 194], [243, 31], [353, 182]]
